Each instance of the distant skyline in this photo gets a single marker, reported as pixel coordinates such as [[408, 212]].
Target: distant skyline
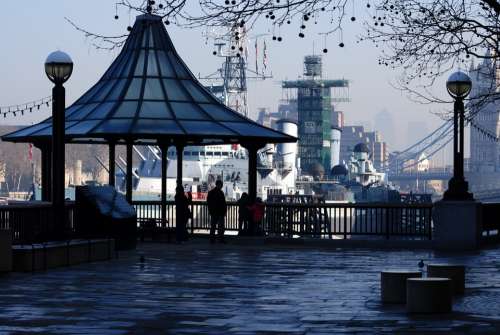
[[39, 28], [384, 122]]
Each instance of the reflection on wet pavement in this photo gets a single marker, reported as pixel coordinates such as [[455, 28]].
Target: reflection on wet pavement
[[201, 289]]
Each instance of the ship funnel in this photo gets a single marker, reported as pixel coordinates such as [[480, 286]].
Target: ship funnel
[[287, 152], [269, 150], [335, 134]]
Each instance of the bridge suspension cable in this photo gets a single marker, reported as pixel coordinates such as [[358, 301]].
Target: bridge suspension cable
[[431, 144]]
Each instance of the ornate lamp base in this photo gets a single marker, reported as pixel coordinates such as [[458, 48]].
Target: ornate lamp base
[[458, 190]]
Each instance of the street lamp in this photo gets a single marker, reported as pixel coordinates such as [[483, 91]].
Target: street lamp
[[58, 68], [458, 86]]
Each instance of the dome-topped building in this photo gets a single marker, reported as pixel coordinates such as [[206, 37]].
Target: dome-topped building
[[361, 147], [339, 170]]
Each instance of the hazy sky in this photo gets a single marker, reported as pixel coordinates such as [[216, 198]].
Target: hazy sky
[[32, 29]]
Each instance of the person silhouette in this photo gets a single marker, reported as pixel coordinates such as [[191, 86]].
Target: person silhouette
[[217, 207], [183, 214], [243, 214]]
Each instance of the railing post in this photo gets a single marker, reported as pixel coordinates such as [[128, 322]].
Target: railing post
[[430, 222], [193, 207], [386, 224], [345, 223]]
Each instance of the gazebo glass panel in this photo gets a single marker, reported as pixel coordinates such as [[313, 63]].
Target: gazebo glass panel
[[174, 90], [204, 127], [187, 111], [126, 109], [152, 90], [248, 129], [179, 68], [151, 40], [82, 112], [114, 126], [116, 67], [87, 96], [126, 69], [102, 111], [145, 126], [104, 91], [69, 124], [82, 127], [139, 68], [152, 66], [33, 129], [196, 92], [71, 110], [145, 37], [155, 109], [117, 90], [47, 131], [218, 112], [134, 89], [165, 67]]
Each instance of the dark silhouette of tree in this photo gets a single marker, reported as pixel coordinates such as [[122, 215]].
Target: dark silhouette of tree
[[428, 39], [424, 39]]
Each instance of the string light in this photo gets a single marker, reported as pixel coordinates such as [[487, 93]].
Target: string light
[[15, 110]]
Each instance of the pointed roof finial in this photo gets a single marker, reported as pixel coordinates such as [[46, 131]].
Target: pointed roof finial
[[149, 7]]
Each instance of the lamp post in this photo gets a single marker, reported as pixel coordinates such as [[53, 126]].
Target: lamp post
[[58, 68], [458, 86]]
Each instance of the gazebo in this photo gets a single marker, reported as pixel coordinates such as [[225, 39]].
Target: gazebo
[[148, 96]]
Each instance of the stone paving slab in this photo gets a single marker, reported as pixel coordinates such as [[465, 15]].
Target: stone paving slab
[[197, 288]]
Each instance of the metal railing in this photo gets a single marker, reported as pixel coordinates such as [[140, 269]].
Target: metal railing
[[34, 222], [337, 220], [149, 213]]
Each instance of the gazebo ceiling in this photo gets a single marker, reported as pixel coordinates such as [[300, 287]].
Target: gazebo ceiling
[[148, 94]]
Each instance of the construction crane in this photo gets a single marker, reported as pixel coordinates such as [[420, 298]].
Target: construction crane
[[229, 82]]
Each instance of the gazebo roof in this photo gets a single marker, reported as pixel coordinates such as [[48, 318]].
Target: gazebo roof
[[148, 94]]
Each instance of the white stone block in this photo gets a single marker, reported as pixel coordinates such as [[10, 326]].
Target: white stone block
[[429, 295], [455, 272], [393, 285]]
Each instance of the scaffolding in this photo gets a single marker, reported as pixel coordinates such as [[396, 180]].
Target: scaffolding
[[314, 99]]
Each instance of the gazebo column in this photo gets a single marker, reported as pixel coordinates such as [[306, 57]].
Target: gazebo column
[[46, 169], [164, 151], [111, 164], [252, 168], [128, 193], [180, 156], [179, 146]]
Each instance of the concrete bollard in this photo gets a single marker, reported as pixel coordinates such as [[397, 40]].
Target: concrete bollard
[[393, 285], [455, 272], [429, 295]]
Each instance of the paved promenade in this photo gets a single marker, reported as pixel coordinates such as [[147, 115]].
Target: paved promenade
[[227, 289]]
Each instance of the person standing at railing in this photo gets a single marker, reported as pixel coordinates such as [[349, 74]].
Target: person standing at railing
[[243, 214], [257, 214], [183, 214], [217, 207]]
